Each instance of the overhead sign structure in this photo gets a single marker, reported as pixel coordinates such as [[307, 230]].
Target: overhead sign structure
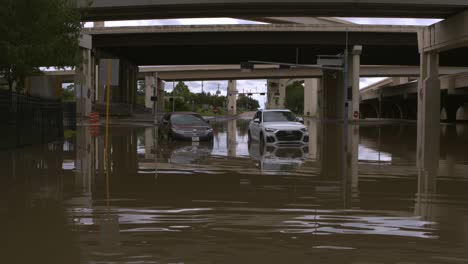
[[104, 71]]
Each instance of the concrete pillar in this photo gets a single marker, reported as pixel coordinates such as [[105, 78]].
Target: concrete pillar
[[312, 128], [85, 167], [353, 156], [428, 138], [149, 142], [149, 90], [232, 97], [332, 149], [232, 138], [333, 95], [160, 94], [276, 93], [354, 81], [282, 92], [311, 97], [84, 84], [462, 113]]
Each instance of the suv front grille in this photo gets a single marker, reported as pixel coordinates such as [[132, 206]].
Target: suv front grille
[[289, 135]]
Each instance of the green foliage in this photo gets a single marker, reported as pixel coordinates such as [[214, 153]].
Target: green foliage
[[68, 93], [181, 89], [247, 103], [37, 33], [295, 98], [204, 103]]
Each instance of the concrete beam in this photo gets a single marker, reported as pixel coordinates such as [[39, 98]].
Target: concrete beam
[[448, 34], [232, 72], [160, 9], [254, 28]]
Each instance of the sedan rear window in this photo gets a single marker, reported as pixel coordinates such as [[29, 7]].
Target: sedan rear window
[[187, 120], [279, 116]]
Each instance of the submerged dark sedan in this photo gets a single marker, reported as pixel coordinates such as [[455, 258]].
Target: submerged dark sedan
[[185, 126]]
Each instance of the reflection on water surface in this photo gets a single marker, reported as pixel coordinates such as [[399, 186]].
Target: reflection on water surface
[[228, 201]]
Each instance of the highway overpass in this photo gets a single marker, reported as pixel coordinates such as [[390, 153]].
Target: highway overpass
[[102, 10]]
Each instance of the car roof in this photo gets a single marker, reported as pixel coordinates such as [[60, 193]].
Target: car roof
[[275, 110], [183, 113]]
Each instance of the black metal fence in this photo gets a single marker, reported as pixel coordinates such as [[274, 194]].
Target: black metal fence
[[27, 120]]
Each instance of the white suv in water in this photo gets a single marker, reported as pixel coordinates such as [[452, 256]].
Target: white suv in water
[[277, 127]]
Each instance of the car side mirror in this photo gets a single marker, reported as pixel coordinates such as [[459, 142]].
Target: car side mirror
[[256, 120], [300, 120]]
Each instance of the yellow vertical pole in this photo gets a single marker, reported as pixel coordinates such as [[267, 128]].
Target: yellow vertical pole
[[107, 130]]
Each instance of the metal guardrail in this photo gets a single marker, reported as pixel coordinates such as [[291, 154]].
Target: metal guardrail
[[27, 120]]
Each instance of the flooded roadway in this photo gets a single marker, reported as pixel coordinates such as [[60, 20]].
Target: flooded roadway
[[349, 196]]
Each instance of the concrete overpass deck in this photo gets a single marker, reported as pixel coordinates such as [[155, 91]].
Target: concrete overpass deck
[[101, 10], [287, 43], [233, 72], [232, 44]]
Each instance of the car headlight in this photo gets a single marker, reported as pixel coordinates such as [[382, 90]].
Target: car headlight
[[209, 130], [177, 131], [271, 130], [304, 129]]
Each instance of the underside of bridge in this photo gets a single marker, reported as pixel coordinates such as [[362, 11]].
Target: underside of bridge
[[101, 10], [202, 45]]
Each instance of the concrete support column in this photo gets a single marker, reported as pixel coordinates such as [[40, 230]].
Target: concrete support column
[[311, 97], [354, 81], [149, 143], [85, 166], [232, 97], [149, 90], [428, 137], [313, 129], [84, 84], [333, 95], [332, 148], [231, 138], [160, 95], [276, 94], [282, 93], [353, 156]]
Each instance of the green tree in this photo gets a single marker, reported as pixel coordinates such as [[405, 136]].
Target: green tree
[[247, 103], [181, 89], [295, 97], [68, 93], [37, 33]]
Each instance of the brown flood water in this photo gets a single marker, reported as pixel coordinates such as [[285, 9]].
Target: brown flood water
[[232, 202]]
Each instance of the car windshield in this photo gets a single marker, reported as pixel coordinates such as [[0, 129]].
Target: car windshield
[[278, 116], [187, 120]]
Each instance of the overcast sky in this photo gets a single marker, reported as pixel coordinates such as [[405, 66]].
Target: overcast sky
[[256, 85]]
